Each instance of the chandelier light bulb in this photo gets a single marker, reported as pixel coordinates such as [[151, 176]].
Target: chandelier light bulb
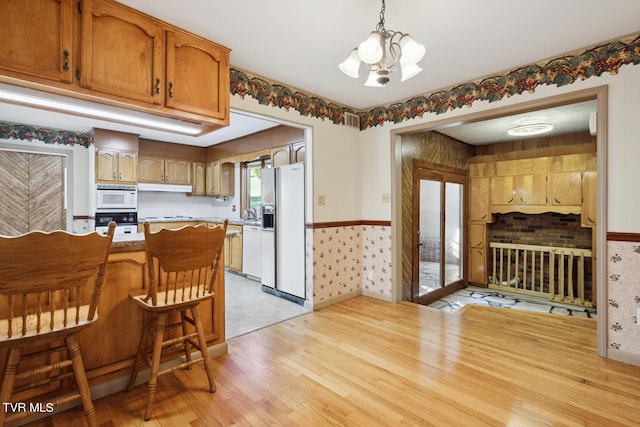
[[351, 65], [408, 70], [412, 52], [372, 80], [370, 51]]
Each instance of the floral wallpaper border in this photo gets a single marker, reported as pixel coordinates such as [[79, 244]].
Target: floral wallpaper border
[[48, 136], [560, 71]]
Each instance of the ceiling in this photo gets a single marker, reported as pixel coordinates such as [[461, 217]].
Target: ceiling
[[301, 43]]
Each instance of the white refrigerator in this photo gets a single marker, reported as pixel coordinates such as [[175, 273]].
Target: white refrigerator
[[283, 247]]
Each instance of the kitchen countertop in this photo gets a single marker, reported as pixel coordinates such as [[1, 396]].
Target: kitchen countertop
[[234, 221], [135, 241]]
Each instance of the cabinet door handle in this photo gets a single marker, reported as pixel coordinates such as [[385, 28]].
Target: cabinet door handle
[[157, 86], [557, 201], [113, 175], [170, 89], [65, 62], [510, 200]]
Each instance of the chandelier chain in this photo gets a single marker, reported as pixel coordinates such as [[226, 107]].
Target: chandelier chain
[[380, 26]]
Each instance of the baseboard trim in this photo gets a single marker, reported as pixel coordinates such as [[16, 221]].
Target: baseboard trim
[[623, 356], [334, 300]]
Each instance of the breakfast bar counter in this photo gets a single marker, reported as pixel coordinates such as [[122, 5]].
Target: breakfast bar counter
[[109, 346]]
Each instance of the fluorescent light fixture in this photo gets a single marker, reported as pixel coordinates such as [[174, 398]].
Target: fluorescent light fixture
[[530, 129], [102, 112]]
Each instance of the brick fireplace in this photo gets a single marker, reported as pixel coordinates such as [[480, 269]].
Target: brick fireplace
[[547, 229]]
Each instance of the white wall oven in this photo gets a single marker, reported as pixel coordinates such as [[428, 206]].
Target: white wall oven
[[116, 198]]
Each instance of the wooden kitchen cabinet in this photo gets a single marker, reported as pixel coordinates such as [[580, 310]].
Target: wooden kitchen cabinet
[[477, 251], [205, 94], [134, 56], [102, 50], [220, 179], [298, 152], [158, 170], [233, 248], [199, 179], [503, 190], [177, 171], [531, 189], [479, 199], [564, 189], [478, 266], [37, 39], [477, 235], [589, 199], [116, 166], [122, 52], [281, 156]]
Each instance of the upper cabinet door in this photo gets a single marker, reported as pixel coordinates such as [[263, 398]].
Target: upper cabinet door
[[197, 76], [122, 52], [40, 44]]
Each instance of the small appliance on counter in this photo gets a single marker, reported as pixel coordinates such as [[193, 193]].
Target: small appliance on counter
[[126, 222]]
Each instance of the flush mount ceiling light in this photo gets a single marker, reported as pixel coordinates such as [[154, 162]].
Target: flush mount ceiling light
[[20, 96], [530, 129], [375, 50]]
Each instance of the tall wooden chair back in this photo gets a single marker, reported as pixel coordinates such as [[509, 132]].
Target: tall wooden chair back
[[182, 267], [50, 286], [182, 263]]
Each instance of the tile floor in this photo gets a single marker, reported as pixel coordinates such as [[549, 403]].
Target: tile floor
[[248, 308], [498, 298]]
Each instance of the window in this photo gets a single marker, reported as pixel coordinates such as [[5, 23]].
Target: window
[[251, 174]]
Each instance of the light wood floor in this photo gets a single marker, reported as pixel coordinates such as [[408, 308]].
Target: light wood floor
[[364, 362]]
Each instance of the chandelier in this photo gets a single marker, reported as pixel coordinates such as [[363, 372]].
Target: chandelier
[[381, 45]]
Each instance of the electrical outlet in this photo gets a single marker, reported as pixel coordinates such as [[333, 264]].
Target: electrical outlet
[[321, 200], [233, 208], [386, 198], [369, 274]]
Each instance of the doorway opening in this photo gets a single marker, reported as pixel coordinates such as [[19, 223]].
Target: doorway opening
[[438, 206]]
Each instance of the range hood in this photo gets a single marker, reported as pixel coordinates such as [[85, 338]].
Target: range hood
[[165, 187]]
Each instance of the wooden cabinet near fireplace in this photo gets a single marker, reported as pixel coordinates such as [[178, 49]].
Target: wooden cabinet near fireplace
[[478, 253], [530, 184]]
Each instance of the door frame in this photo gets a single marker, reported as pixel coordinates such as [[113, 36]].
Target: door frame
[[600, 94], [427, 170]]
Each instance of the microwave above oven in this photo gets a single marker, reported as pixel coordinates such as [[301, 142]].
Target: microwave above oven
[[116, 198]]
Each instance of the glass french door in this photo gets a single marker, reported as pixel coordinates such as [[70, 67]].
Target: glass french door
[[438, 201]]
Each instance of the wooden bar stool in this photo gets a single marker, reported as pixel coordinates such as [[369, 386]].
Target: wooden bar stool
[[182, 266], [50, 286]]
